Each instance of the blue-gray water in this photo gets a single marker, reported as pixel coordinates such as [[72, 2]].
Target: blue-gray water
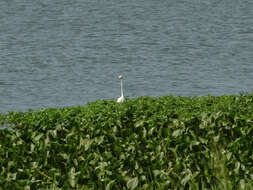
[[63, 53]]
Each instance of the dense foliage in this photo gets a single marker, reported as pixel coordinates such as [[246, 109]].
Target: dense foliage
[[144, 143]]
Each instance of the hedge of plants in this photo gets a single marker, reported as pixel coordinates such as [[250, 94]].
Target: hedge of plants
[[144, 143]]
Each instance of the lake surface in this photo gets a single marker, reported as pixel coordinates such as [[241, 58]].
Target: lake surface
[[64, 53]]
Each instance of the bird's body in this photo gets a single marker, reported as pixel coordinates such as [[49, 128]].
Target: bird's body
[[121, 98]]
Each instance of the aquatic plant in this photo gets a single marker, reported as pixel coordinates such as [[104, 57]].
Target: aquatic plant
[[144, 143]]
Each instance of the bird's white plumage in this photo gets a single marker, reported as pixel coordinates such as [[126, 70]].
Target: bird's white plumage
[[121, 98]]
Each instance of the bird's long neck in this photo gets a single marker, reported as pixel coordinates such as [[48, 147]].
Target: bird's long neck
[[121, 84]]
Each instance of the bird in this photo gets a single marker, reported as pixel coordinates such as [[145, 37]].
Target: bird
[[121, 98]]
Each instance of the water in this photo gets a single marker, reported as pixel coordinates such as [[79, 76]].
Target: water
[[64, 53]]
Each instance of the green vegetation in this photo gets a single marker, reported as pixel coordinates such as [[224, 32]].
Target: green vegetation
[[144, 143]]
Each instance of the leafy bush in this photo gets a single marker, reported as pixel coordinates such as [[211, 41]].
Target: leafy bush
[[144, 143]]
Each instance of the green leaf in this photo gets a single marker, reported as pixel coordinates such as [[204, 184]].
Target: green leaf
[[242, 184], [228, 155], [72, 177], [156, 172], [187, 177], [37, 138], [237, 167], [177, 132], [139, 124], [109, 185], [216, 138], [132, 183]]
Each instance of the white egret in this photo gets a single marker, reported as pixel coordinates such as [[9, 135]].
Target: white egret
[[121, 98]]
